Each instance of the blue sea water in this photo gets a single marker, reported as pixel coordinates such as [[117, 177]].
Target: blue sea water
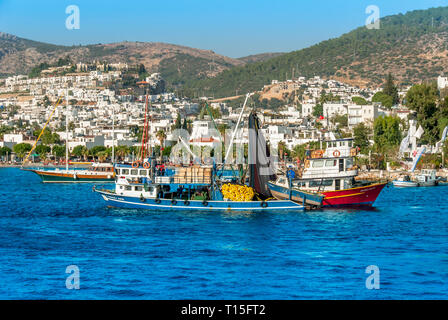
[[128, 254]]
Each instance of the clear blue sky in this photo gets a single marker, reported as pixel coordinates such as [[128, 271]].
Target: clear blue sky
[[230, 27]]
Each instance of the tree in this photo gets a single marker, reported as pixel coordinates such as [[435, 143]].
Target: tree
[[391, 90], [361, 137], [122, 151], [95, 151], [22, 149], [339, 119], [386, 100], [58, 151], [42, 150], [423, 99], [360, 101], [318, 110], [4, 151], [79, 151], [386, 133]]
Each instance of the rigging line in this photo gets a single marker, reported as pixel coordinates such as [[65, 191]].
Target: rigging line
[[43, 129]]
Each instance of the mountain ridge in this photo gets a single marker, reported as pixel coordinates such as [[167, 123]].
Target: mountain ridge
[[181, 63], [412, 46]]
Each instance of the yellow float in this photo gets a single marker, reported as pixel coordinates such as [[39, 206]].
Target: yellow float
[[236, 192]]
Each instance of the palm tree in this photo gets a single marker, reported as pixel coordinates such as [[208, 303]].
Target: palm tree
[[122, 151], [102, 156], [85, 153], [161, 135], [281, 148]]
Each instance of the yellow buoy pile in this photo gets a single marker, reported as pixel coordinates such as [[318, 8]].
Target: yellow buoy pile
[[236, 192]]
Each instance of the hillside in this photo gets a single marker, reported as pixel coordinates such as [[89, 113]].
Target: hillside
[[178, 64], [413, 47], [260, 57]]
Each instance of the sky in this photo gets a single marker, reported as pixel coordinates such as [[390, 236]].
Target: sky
[[229, 27]]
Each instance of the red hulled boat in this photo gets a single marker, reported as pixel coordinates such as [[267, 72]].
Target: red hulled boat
[[332, 173]]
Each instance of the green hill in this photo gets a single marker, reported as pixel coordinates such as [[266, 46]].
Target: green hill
[[412, 46]]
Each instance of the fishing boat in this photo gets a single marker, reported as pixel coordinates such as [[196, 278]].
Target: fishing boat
[[331, 172], [427, 178], [405, 182], [98, 172], [198, 188]]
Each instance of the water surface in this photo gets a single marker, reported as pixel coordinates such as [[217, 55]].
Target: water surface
[[131, 254]]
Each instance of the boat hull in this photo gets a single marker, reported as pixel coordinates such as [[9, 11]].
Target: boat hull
[[282, 193], [405, 184], [127, 202], [360, 196], [60, 177]]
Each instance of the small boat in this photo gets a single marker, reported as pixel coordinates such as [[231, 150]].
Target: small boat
[[427, 178], [404, 182], [280, 190], [99, 172]]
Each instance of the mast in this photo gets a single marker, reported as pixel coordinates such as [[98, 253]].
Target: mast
[[66, 131], [144, 134], [113, 134]]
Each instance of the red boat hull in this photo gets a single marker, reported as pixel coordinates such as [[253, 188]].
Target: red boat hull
[[361, 196]]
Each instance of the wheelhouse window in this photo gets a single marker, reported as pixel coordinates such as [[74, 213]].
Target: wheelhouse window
[[124, 171], [138, 188], [330, 163], [318, 163], [134, 172], [128, 188], [324, 183], [348, 163], [143, 172]]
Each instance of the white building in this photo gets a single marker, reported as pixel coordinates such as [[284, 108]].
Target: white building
[[332, 109], [357, 114], [442, 82]]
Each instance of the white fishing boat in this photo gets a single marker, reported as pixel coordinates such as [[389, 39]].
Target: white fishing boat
[[404, 182]]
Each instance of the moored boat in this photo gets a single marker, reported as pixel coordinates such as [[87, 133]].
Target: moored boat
[[332, 172], [427, 178], [404, 182], [198, 188], [98, 172]]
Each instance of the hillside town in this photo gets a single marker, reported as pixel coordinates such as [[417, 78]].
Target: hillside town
[[102, 111]]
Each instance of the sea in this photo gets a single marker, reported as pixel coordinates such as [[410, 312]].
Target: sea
[[61, 241]]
